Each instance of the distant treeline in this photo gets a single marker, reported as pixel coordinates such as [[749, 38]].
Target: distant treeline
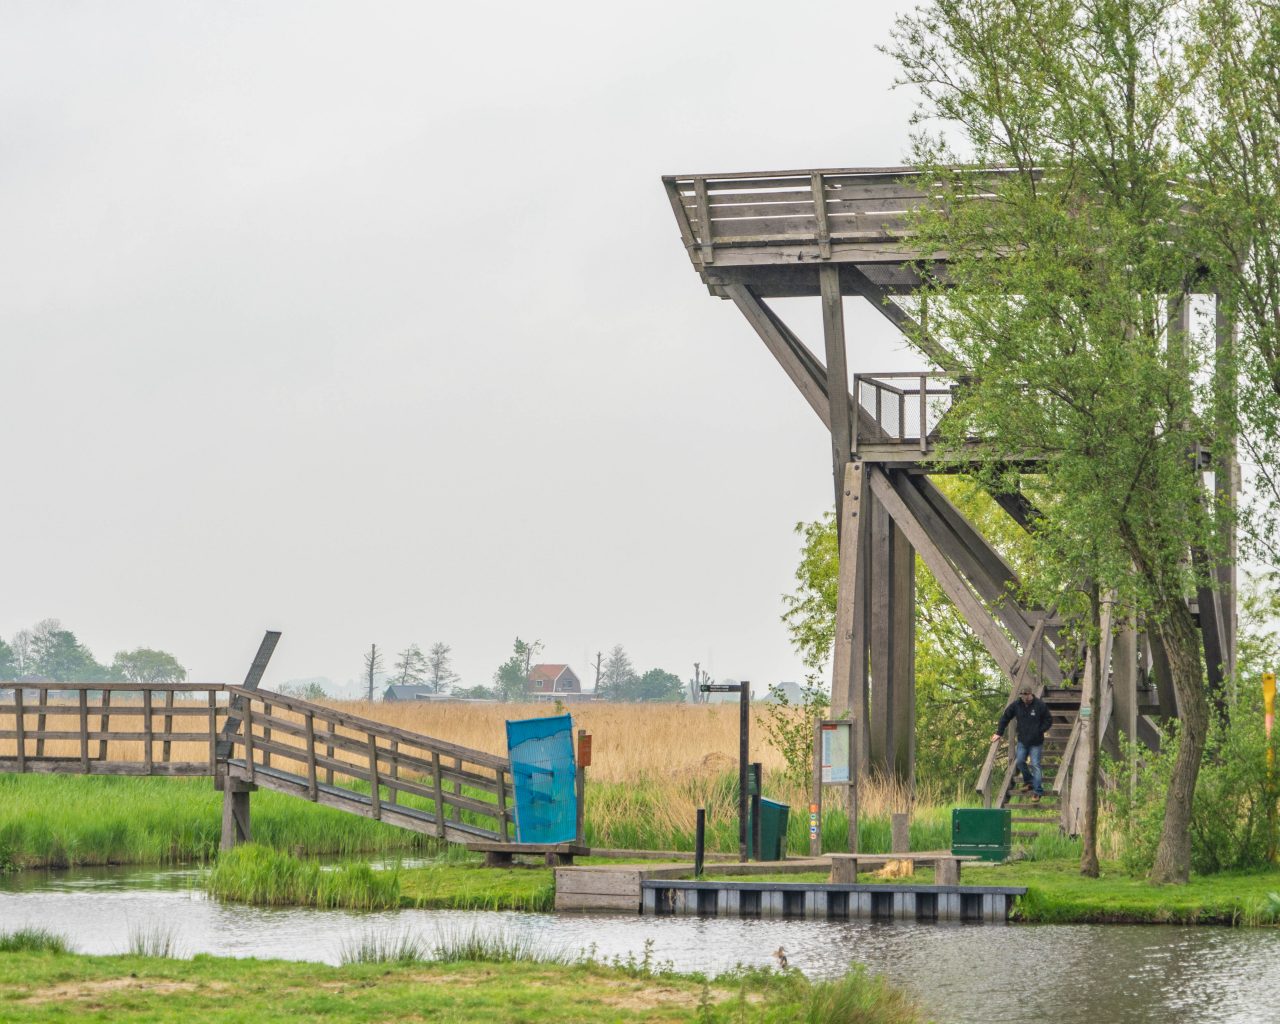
[[49, 651]]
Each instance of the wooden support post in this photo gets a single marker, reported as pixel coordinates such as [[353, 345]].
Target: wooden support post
[[580, 787], [902, 644], [1124, 676], [213, 733], [438, 789], [395, 770], [166, 747], [882, 629], [42, 695], [744, 745], [247, 717], [266, 733], [848, 661], [20, 721], [313, 788], [844, 869], [815, 798], [900, 833], [84, 730], [504, 817], [457, 791], [374, 781], [104, 724], [837, 378], [147, 742], [235, 813], [946, 871]]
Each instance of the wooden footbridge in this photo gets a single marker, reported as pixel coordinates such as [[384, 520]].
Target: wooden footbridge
[[847, 233], [246, 738]]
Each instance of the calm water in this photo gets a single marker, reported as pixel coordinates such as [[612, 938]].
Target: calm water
[[969, 974]]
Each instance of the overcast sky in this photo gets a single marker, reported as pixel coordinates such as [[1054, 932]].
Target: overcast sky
[[370, 322]]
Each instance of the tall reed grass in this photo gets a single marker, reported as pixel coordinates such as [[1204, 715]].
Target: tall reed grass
[[156, 940], [257, 874], [33, 940]]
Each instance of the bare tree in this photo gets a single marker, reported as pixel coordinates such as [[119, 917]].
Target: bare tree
[[372, 666]]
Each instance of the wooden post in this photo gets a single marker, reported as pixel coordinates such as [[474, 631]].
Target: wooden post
[[856, 760], [900, 833], [902, 642], [213, 732], [235, 812], [266, 733], [19, 717], [580, 784], [837, 378], [84, 730], [374, 781], [42, 695], [457, 791], [848, 662], [167, 746], [504, 817], [882, 652], [757, 780], [247, 717], [313, 788], [395, 770], [699, 841], [744, 755], [147, 763], [815, 802], [104, 724], [439, 793]]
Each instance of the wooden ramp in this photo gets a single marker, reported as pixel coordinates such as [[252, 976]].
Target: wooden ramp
[[246, 738]]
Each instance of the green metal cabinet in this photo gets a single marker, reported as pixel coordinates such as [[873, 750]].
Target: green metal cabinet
[[773, 829], [981, 832]]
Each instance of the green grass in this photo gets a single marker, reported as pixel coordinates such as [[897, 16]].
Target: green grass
[[470, 886], [266, 877], [70, 820], [158, 940], [39, 989], [472, 945], [385, 948], [33, 940]]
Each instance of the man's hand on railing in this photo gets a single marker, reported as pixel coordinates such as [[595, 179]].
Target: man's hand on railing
[[995, 737]]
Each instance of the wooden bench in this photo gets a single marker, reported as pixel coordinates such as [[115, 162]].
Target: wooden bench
[[946, 866], [501, 854]]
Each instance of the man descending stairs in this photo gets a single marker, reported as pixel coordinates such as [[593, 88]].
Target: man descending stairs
[[1031, 816]]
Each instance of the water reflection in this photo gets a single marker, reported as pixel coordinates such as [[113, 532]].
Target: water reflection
[[1073, 974]]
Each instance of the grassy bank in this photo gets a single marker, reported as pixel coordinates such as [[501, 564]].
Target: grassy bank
[[272, 878], [71, 820], [38, 987]]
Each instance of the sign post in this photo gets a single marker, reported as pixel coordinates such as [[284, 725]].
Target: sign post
[[834, 761], [743, 689]]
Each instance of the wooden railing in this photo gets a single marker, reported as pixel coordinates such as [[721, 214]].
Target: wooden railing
[[904, 407], [369, 767], [111, 728]]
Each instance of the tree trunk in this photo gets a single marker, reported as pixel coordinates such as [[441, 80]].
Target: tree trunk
[[1089, 834], [1172, 621]]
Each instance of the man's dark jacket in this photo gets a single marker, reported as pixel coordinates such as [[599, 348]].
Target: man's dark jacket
[[1034, 720]]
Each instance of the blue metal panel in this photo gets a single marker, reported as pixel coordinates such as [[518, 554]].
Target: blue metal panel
[[543, 774]]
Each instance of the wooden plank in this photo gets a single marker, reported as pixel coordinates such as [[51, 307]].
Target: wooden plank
[[74, 766], [706, 230], [457, 791], [374, 782], [504, 822], [312, 786], [569, 902], [972, 610], [395, 768], [846, 662], [823, 225], [213, 733], [43, 693], [902, 643], [242, 694], [880, 728]]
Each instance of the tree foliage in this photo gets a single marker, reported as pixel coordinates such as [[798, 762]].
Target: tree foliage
[[440, 673], [145, 665]]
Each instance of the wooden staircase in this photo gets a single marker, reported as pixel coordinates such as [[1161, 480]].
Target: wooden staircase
[[1030, 819]]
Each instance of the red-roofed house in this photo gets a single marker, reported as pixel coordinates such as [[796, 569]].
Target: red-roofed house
[[552, 682]]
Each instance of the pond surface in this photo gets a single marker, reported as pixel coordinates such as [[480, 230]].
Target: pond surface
[[964, 974]]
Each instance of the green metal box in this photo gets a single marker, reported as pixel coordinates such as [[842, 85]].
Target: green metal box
[[981, 832], [773, 829]]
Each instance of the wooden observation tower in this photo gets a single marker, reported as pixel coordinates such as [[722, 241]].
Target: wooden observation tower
[[829, 234]]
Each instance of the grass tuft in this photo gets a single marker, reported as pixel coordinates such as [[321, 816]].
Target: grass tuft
[[33, 940], [385, 948], [156, 940], [266, 877], [474, 945]]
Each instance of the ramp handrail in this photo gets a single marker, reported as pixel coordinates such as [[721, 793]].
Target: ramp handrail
[[405, 771]]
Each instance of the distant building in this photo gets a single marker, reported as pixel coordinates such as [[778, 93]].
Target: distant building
[[409, 691], [555, 682]]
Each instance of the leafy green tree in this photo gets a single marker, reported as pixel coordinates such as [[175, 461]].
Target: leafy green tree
[[1069, 340], [59, 656], [8, 662], [144, 665], [655, 685], [511, 680]]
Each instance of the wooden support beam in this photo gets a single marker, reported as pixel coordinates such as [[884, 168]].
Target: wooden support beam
[[257, 669], [848, 659], [901, 319], [837, 376], [971, 609], [236, 825], [902, 645], [881, 653]]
